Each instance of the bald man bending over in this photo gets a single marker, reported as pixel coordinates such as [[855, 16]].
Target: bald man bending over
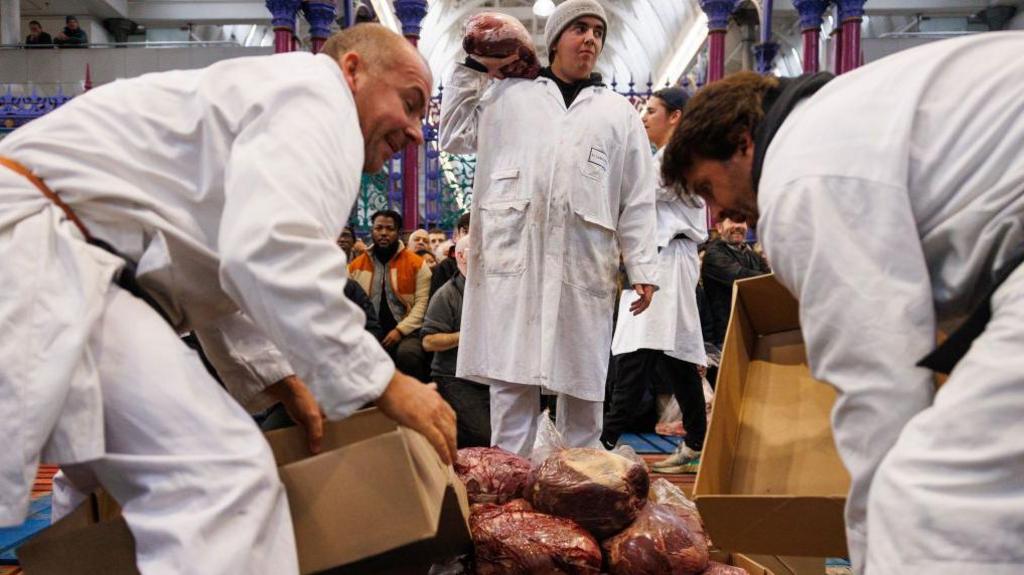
[[208, 201]]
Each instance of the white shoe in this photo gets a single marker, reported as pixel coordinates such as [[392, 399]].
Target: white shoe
[[683, 456]]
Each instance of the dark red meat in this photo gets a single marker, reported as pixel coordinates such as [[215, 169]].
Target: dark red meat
[[600, 490], [509, 542], [491, 475], [496, 35], [664, 540]]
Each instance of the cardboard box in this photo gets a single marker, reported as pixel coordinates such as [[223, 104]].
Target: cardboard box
[[377, 499], [770, 479]]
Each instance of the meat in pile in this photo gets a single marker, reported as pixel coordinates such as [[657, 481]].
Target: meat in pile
[[664, 539], [716, 568], [511, 541], [600, 490], [496, 35], [491, 475]]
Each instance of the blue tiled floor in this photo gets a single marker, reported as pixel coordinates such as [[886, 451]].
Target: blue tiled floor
[[11, 537]]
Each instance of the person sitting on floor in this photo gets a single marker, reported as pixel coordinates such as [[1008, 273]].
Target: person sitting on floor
[[471, 401]]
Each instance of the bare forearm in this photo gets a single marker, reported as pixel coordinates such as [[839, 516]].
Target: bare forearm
[[441, 341]]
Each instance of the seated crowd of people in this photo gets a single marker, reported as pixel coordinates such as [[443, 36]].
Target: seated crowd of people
[[411, 292]]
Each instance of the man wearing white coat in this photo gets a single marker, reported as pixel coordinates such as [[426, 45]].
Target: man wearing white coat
[[890, 201], [665, 344], [196, 179], [564, 181]]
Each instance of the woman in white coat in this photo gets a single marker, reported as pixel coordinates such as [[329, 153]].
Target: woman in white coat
[[665, 345]]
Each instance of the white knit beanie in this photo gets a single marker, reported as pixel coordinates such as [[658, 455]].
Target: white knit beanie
[[564, 15]]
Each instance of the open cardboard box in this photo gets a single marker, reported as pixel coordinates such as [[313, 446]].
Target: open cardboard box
[[770, 480], [377, 500]]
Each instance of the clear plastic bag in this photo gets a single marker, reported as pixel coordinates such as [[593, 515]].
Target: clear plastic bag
[[601, 490], [664, 491], [667, 537]]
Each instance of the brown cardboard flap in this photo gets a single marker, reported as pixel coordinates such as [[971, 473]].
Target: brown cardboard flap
[[336, 496], [770, 479], [290, 444], [782, 565], [75, 545]]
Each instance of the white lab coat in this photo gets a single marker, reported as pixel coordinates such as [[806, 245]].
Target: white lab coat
[[888, 201], [557, 194], [672, 323], [228, 186]]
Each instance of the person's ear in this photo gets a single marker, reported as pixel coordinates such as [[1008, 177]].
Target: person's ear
[[746, 145], [353, 69]]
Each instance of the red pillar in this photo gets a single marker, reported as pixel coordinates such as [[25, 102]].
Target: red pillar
[[811, 59], [851, 44], [837, 50], [411, 177], [411, 14], [716, 55]]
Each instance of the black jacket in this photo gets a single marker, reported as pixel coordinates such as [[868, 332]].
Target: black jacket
[[357, 295], [724, 264], [43, 40]]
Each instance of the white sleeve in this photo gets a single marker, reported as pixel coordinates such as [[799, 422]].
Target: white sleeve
[[292, 177], [848, 250], [246, 361], [460, 110], [638, 221]]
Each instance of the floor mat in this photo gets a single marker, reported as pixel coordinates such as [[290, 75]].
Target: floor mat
[[12, 537], [650, 442]]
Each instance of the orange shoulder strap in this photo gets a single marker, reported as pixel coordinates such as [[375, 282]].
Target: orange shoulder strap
[[23, 171]]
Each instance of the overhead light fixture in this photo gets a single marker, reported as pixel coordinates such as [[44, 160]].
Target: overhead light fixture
[[543, 8]]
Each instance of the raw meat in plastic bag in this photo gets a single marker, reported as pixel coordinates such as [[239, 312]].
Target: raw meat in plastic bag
[[491, 475], [600, 490], [716, 568], [511, 542], [664, 539], [497, 35]]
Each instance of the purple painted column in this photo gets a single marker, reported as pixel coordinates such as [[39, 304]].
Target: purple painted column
[[850, 14], [811, 12], [765, 52], [718, 13], [320, 16], [283, 21], [411, 13]]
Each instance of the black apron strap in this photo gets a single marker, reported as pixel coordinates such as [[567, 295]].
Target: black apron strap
[[945, 357]]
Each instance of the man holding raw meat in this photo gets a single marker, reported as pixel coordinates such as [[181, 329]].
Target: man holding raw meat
[[564, 184]]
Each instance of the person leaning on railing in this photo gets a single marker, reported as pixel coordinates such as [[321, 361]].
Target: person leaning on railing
[[72, 36], [37, 38]]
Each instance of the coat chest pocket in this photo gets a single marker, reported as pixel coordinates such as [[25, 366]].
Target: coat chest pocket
[[503, 227], [593, 162]]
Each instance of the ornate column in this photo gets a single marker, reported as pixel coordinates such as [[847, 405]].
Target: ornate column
[[718, 13], [765, 52], [811, 12], [850, 14], [320, 16], [283, 21], [411, 13]]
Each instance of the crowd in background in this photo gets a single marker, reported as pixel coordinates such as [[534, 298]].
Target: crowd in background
[[414, 310]]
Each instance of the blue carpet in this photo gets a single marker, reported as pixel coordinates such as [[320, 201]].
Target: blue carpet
[[650, 442], [836, 562], [12, 537]]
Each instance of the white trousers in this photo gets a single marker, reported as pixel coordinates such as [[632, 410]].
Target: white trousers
[[949, 496], [514, 411], [194, 476]]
